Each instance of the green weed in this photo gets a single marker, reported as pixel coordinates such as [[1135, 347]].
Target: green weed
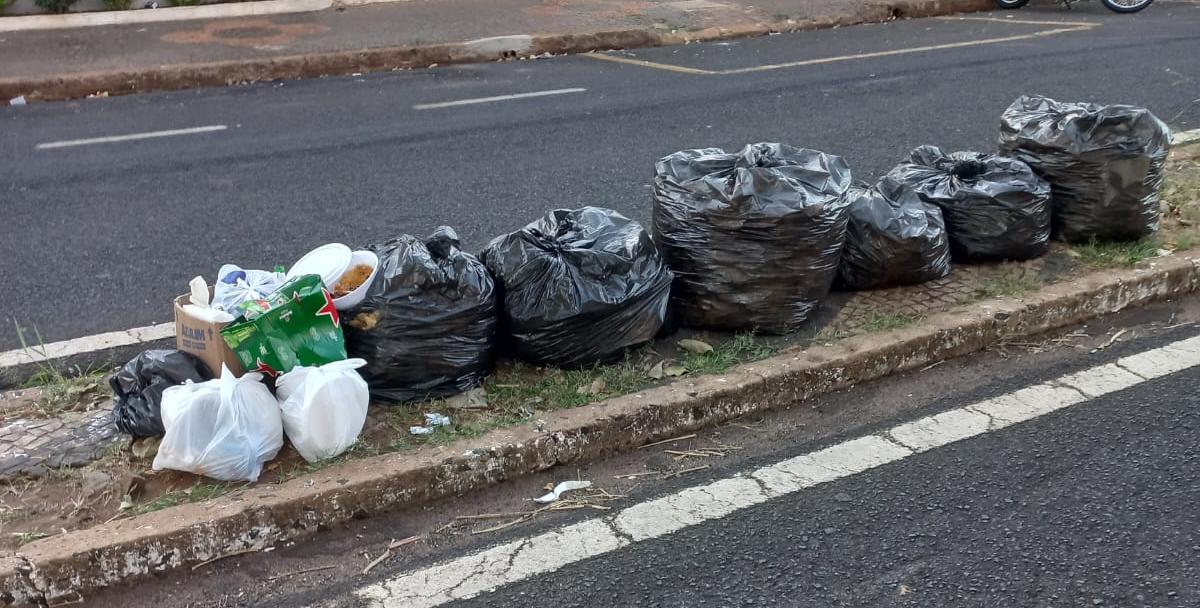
[[1108, 255], [743, 348], [876, 322], [1008, 286]]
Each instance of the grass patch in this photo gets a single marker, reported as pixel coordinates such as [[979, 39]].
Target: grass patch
[[200, 492], [876, 322], [24, 538], [743, 348], [1008, 286], [1187, 240], [521, 388], [1111, 255], [60, 392]]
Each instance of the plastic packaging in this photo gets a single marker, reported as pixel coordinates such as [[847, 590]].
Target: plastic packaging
[[753, 238], [427, 326], [235, 285], [579, 286], [893, 241], [296, 325], [1104, 163], [138, 388], [324, 408], [225, 428], [995, 207]]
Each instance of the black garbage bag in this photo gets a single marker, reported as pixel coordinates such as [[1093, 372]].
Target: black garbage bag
[[427, 325], [1104, 163], [996, 208], [579, 286], [892, 241], [753, 238], [139, 385]]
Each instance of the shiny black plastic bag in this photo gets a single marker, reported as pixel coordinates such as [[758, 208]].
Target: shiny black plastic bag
[[579, 286], [996, 208], [753, 238], [139, 385], [1104, 163], [892, 241], [427, 326]]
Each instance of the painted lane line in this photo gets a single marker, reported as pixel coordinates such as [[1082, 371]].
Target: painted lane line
[[1065, 27], [130, 137], [473, 574], [467, 102]]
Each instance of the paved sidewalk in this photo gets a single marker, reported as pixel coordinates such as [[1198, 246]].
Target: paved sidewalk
[[54, 63]]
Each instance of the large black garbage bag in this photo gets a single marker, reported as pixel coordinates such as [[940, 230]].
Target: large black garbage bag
[[579, 286], [996, 208], [139, 385], [893, 241], [753, 238], [427, 326], [1104, 163]]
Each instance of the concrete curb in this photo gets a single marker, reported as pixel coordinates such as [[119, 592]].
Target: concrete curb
[[79, 562], [174, 77], [256, 8]]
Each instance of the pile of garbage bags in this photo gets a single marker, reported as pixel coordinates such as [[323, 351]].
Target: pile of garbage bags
[[995, 207], [752, 240], [1104, 163], [892, 241], [427, 324], [579, 287]]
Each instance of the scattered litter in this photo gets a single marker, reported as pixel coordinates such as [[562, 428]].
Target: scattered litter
[[680, 438], [19, 100], [387, 553], [589, 500], [223, 556], [695, 346], [719, 451], [476, 398], [559, 489], [1110, 341], [636, 475], [684, 471], [432, 420], [297, 572], [932, 365]]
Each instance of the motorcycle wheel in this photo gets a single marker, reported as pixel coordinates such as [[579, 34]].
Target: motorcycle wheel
[[1126, 6], [1011, 3]]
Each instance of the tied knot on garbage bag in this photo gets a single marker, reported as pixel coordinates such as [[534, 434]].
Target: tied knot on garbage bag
[[1104, 163], [754, 238], [427, 324], [579, 286], [139, 385], [995, 207], [892, 241]]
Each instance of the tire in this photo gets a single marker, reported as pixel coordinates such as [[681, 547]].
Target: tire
[[1010, 4], [1126, 6]]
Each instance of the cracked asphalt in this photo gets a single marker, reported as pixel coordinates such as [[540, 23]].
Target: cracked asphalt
[[1092, 505]]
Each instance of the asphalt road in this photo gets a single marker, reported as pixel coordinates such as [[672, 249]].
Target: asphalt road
[[100, 237], [1092, 505]]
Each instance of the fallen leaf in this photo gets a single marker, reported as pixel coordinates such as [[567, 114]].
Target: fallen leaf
[[695, 346], [675, 370], [476, 398], [595, 388], [145, 447], [126, 503], [656, 372]]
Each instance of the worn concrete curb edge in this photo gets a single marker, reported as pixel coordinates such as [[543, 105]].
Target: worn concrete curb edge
[[21, 23], [82, 561], [174, 77]]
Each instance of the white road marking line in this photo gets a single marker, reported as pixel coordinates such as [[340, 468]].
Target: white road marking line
[[86, 344], [473, 574], [467, 102], [130, 137]]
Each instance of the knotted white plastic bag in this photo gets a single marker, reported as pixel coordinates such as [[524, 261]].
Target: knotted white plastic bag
[[224, 428], [324, 408]]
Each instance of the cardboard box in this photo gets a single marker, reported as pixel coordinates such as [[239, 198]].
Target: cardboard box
[[203, 339]]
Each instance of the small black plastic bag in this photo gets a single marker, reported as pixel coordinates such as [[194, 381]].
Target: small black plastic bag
[[139, 385]]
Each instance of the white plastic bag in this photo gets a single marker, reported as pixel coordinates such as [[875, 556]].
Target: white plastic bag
[[224, 428], [324, 408], [230, 291]]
